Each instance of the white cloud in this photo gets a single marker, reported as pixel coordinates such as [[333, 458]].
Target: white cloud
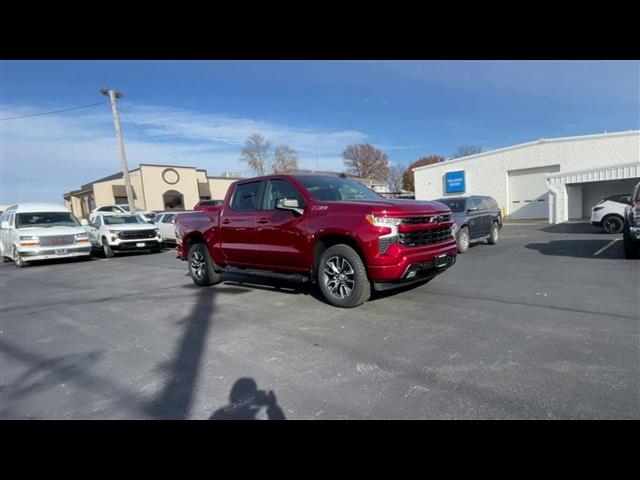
[[43, 157]]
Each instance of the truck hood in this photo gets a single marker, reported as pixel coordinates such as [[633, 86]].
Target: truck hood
[[401, 207], [49, 231]]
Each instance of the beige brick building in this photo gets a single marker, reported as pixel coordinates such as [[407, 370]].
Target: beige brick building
[[155, 187]]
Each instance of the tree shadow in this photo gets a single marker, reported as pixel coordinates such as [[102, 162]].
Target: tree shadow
[[579, 248], [246, 402]]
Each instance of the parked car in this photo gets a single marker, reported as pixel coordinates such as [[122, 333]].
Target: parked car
[[208, 205], [608, 213], [41, 231], [329, 230], [147, 215], [112, 232], [631, 232], [476, 218], [166, 222]]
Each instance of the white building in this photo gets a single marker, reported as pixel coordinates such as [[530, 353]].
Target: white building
[[558, 179]]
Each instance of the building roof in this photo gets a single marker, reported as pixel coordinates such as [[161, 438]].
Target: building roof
[[529, 144]]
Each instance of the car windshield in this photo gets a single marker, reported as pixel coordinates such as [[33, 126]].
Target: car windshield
[[337, 189], [455, 204], [120, 219], [46, 219]]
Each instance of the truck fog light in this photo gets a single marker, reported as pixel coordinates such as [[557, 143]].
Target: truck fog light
[[411, 274]]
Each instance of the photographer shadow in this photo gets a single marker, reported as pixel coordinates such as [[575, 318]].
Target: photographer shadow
[[246, 401]]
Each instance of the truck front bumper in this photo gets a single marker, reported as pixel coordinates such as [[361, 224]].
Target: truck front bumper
[[142, 244], [414, 266], [49, 253]]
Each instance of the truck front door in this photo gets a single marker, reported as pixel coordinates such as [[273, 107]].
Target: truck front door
[[280, 240]]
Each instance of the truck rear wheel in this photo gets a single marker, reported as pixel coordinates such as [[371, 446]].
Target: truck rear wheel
[[201, 266], [342, 277]]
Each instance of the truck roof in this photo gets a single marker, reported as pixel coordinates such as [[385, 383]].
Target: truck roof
[[36, 207]]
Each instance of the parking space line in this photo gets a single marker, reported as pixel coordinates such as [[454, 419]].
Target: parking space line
[[598, 252]]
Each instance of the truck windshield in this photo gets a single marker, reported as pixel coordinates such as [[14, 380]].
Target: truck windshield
[[337, 189], [120, 219], [46, 219], [455, 204]]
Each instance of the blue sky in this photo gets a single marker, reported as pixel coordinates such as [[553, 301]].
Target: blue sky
[[200, 113]]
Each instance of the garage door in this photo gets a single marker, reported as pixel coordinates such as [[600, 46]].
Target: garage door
[[529, 193]]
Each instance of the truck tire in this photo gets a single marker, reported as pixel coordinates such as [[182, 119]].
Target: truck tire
[[463, 240], [201, 266], [18, 260], [494, 235], [106, 249], [631, 248], [342, 277]]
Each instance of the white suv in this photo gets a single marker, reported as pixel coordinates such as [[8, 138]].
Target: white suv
[[41, 231], [119, 232], [147, 215], [608, 213]]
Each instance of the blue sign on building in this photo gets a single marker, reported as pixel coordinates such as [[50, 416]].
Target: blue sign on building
[[454, 182]]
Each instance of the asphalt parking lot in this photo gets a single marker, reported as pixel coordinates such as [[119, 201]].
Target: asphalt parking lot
[[544, 325]]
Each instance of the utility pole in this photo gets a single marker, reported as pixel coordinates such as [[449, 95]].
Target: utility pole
[[113, 95]]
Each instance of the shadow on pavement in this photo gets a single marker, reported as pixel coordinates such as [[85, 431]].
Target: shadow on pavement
[[246, 402], [579, 248], [574, 228]]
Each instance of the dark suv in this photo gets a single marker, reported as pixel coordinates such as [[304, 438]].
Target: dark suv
[[631, 232], [476, 217]]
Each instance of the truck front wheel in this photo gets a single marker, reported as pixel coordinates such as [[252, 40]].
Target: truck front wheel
[[342, 277], [201, 266]]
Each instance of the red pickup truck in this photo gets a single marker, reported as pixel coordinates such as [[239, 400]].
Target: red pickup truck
[[329, 230]]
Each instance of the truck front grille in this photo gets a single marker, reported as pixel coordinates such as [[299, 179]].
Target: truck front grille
[[427, 219], [135, 235], [57, 240], [425, 237]]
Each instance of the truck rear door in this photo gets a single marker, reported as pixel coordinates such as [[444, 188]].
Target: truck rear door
[[238, 224]]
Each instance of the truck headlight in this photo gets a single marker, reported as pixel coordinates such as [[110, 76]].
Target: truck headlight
[[115, 232], [384, 221], [82, 238], [29, 241]]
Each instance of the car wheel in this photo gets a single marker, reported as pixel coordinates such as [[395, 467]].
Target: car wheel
[[18, 260], [463, 240], [631, 248], [342, 277], [201, 266], [107, 251], [612, 224], [495, 234]]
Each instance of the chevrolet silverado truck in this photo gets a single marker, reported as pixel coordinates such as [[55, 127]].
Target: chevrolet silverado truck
[[329, 230]]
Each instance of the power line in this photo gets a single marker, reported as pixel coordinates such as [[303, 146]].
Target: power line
[[53, 111], [147, 136]]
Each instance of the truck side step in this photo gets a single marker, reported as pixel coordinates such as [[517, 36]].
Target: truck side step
[[292, 277]]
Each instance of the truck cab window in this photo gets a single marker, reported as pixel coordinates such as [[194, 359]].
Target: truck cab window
[[279, 189], [245, 198]]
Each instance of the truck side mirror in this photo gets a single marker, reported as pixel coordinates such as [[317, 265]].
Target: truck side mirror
[[291, 204], [84, 222], [5, 225]]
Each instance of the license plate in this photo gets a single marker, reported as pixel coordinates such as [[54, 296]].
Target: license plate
[[140, 244], [441, 260], [61, 251]]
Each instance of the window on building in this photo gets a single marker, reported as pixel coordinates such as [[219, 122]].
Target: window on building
[[173, 200], [121, 200]]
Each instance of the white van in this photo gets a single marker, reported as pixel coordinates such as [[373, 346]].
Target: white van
[[41, 231]]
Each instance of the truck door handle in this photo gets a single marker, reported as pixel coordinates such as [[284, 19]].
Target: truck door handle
[[226, 220], [263, 220]]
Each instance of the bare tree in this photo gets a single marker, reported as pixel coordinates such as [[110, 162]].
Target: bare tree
[[466, 150], [284, 159], [396, 172], [408, 178], [366, 161], [256, 153]]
